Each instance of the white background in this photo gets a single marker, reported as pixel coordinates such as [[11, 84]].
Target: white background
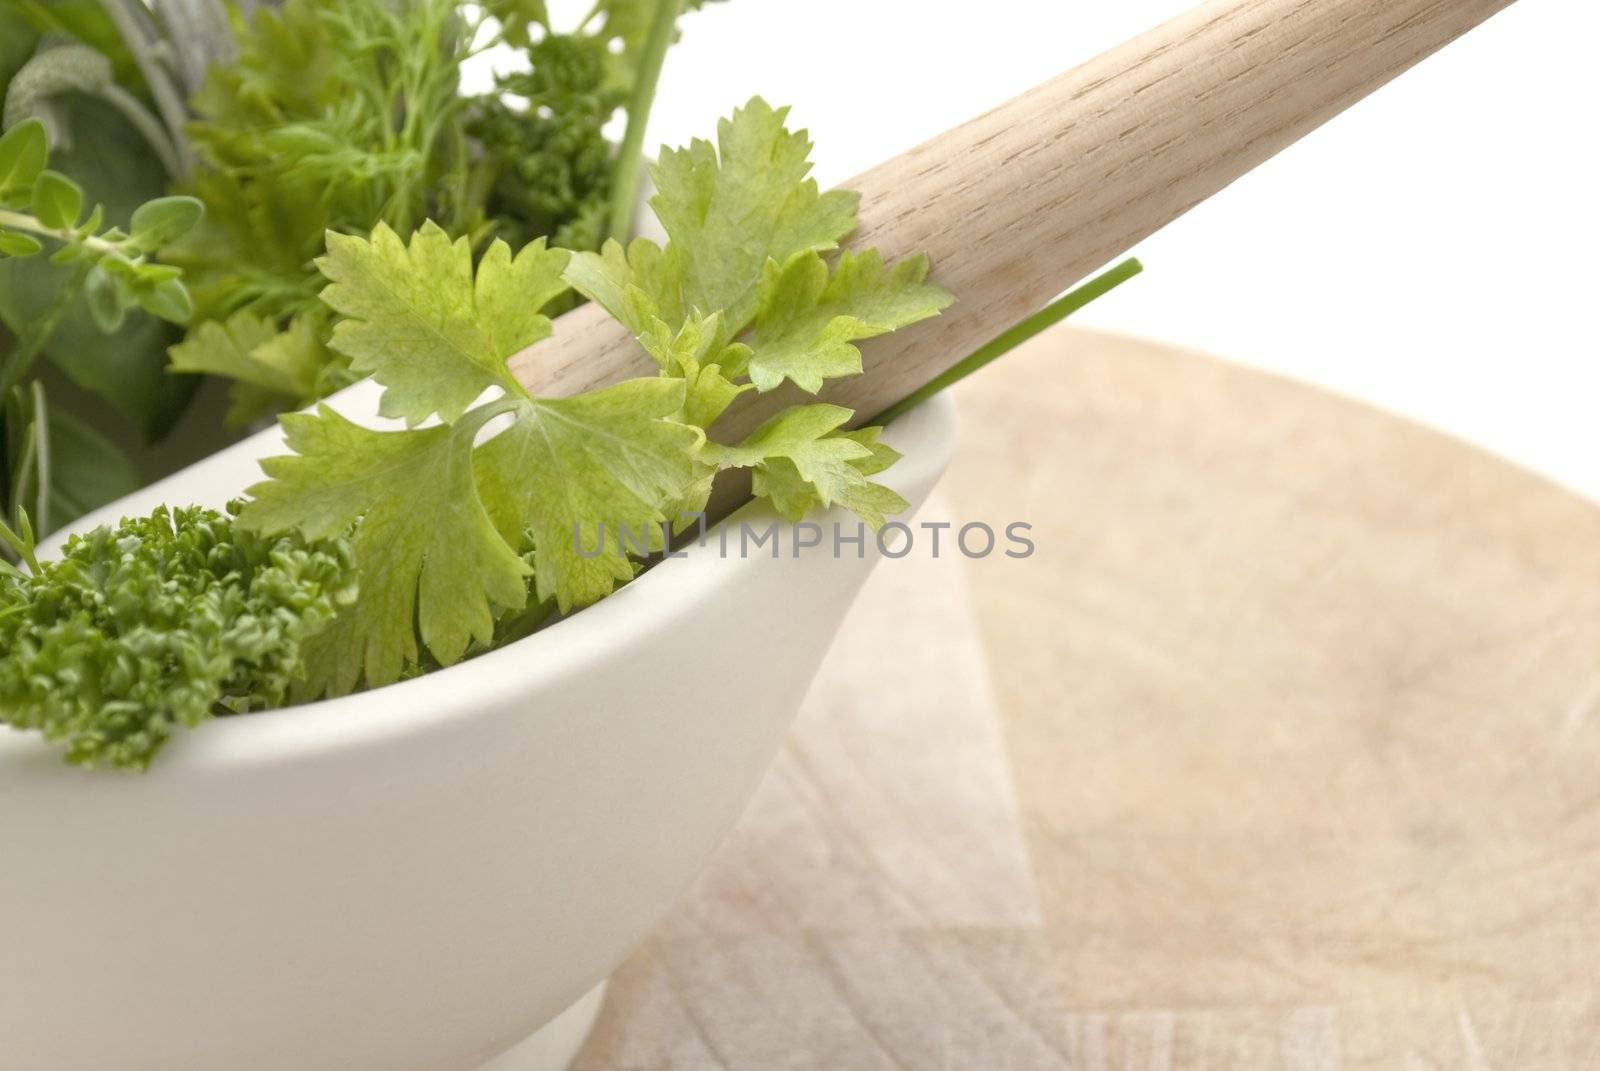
[[1433, 250]]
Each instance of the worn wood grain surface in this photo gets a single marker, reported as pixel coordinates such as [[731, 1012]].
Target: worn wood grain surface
[[1283, 751]]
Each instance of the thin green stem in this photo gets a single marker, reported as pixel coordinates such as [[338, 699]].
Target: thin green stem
[[20, 541], [25, 468], [523, 623], [630, 154], [22, 221], [471, 30], [1009, 340], [41, 457]]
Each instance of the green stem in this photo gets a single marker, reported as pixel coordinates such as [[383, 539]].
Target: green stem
[[25, 463], [630, 154], [523, 623], [41, 458], [6, 568], [21, 543], [1009, 340], [22, 221]]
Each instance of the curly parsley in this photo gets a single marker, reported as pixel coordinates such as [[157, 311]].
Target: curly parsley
[[159, 623]]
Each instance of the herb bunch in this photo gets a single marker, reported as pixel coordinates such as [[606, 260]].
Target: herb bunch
[[157, 624], [340, 115], [109, 271], [107, 80], [368, 557], [452, 533], [285, 121], [547, 164], [38, 205]]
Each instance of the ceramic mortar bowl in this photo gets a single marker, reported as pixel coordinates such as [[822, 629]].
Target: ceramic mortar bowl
[[416, 878]]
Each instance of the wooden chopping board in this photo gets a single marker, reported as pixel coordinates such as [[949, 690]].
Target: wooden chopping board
[[1283, 751]]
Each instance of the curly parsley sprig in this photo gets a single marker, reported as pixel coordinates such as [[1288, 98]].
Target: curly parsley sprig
[[159, 623]]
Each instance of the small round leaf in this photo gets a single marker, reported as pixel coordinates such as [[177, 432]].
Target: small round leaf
[[23, 151], [169, 300], [105, 305], [18, 245], [164, 220], [151, 274], [120, 267], [92, 225], [57, 200]]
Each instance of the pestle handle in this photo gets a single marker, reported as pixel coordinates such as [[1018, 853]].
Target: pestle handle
[[1019, 204]]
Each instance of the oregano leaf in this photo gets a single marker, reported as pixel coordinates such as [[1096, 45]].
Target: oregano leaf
[[13, 244], [57, 201], [23, 151], [163, 221]]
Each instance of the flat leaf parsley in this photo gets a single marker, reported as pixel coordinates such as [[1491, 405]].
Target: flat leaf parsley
[[482, 509]]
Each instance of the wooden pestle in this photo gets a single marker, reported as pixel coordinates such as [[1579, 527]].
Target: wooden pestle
[[1019, 204]]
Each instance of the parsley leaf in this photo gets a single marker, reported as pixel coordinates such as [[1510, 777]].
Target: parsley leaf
[[801, 460], [440, 522], [418, 320], [727, 211], [272, 368], [808, 317], [692, 355], [742, 290], [575, 472], [515, 504], [430, 556]]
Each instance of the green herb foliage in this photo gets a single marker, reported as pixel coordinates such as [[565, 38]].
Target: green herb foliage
[[745, 293], [285, 121], [157, 624], [39, 206], [368, 556], [337, 114], [340, 115], [60, 468], [107, 79], [548, 167], [454, 532], [101, 268]]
